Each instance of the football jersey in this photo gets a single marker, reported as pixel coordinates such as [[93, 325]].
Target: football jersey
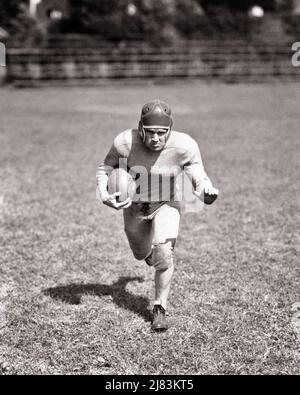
[[160, 175]]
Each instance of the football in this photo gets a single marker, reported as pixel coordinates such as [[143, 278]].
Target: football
[[121, 181]]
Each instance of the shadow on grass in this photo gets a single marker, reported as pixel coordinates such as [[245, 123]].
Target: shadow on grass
[[72, 294]]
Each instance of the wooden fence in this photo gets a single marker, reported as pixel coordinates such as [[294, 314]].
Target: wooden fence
[[227, 61]]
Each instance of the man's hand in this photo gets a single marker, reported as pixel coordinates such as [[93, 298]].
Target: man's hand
[[209, 195], [111, 201]]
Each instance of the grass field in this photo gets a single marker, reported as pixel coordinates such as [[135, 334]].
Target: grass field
[[73, 299]]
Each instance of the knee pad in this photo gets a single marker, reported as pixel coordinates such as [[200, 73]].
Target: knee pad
[[162, 256]]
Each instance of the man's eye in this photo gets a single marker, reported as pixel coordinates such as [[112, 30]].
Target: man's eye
[[152, 133]]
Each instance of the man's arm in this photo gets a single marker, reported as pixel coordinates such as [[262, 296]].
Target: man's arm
[[194, 169], [110, 162], [104, 170]]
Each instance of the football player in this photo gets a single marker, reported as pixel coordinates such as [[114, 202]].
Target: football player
[[154, 151]]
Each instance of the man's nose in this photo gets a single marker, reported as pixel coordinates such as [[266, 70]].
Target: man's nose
[[155, 137]]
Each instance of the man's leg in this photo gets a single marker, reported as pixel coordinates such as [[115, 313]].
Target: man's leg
[[138, 231], [162, 259], [165, 232], [154, 240]]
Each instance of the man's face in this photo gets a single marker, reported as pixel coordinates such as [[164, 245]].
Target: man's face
[[156, 138]]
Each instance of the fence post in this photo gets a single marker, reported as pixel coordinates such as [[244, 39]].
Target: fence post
[[3, 68]]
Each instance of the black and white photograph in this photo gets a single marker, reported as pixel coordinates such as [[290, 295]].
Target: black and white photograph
[[149, 190]]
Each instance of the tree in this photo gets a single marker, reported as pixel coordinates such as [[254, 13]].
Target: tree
[[118, 20], [238, 5], [15, 19], [11, 12]]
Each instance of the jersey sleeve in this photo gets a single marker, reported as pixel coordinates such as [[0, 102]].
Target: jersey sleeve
[[117, 152], [194, 169]]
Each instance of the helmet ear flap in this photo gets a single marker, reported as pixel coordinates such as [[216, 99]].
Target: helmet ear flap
[[170, 129], [141, 132]]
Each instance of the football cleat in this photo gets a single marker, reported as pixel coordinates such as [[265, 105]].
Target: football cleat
[[159, 323]]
